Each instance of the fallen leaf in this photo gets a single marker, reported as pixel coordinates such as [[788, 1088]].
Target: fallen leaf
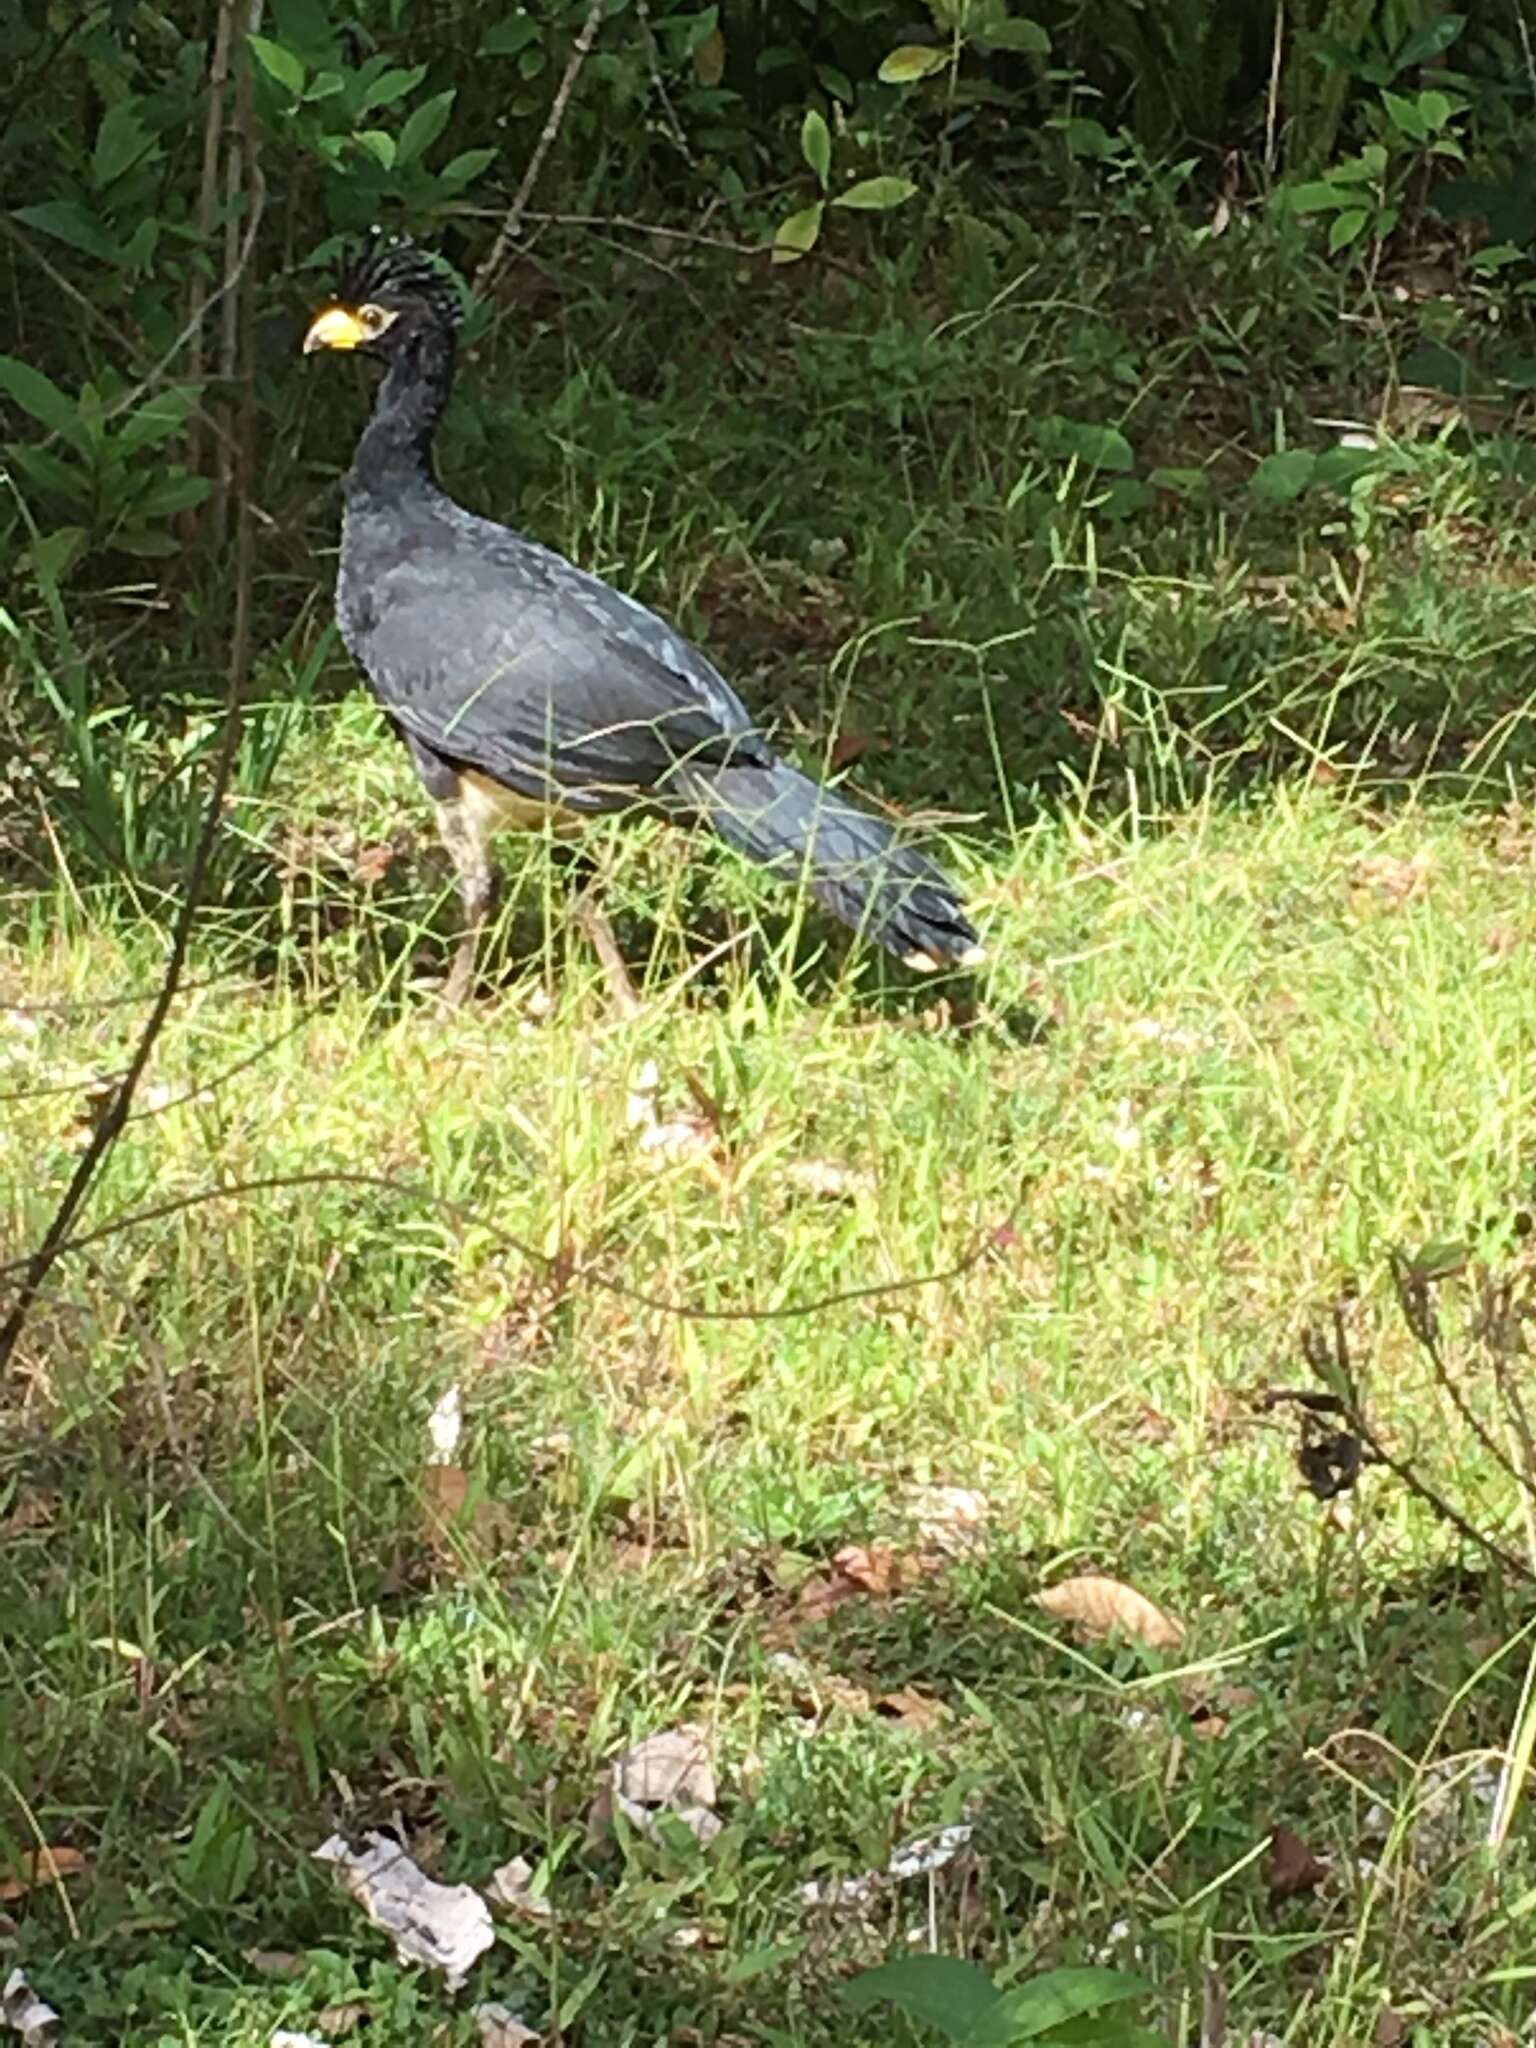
[[949, 1518], [1293, 1868], [825, 1177], [500, 2027], [669, 1773], [913, 1709], [446, 1926], [1099, 1606], [39, 1867], [1394, 879], [852, 745], [1391, 2028], [512, 1886], [444, 1490], [444, 1426], [1500, 939], [34, 1509], [275, 1962], [340, 2019], [373, 863], [27, 2014]]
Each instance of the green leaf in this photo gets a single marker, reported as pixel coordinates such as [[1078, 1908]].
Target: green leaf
[[1060, 1997], [1017, 33], [121, 141], [876, 195], [44, 469], [53, 555], [325, 86], [467, 166], [953, 1996], [157, 419], [1280, 479], [69, 222], [424, 127], [38, 395], [1429, 42], [390, 86], [1097, 447], [1320, 198], [816, 145], [1340, 467], [1084, 137], [796, 236], [1435, 109], [1347, 227], [836, 82], [378, 145], [278, 63], [175, 493], [1404, 115], [506, 38], [911, 61]]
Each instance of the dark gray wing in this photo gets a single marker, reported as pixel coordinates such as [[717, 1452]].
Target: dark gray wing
[[503, 656]]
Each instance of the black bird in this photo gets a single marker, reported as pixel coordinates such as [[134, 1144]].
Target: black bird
[[530, 692]]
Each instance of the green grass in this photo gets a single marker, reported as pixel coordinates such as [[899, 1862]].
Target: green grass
[[1233, 787], [1222, 1066]]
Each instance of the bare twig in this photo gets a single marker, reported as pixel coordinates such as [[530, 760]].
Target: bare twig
[[207, 199], [1272, 101], [39, 1265], [1413, 1298], [512, 223], [552, 1262]]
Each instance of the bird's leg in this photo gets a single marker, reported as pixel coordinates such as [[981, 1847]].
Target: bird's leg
[[467, 848], [598, 932]]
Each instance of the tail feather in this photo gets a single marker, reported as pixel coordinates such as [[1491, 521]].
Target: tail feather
[[851, 862]]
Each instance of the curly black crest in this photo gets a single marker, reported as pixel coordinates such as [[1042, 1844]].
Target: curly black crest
[[392, 266]]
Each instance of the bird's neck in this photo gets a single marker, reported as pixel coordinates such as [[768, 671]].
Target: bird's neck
[[395, 452]]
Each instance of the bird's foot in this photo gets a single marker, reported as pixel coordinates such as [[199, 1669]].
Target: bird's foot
[[598, 933], [461, 975]]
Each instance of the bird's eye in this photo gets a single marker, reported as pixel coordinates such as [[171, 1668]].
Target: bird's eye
[[372, 319]]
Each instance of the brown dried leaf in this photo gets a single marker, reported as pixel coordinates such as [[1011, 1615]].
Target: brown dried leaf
[[826, 1178], [512, 1886], [1394, 879], [340, 2019], [1293, 1868], [913, 1709], [951, 1519], [1391, 2028], [709, 59], [501, 2028], [275, 1962], [34, 1509], [40, 1867], [1099, 1606]]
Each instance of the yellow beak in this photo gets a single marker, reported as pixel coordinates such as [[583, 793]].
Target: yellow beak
[[336, 327]]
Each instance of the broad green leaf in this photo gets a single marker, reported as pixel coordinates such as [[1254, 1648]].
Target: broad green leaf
[[1341, 467], [324, 86], [709, 59], [466, 166], [378, 145], [1096, 446], [1404, 115], [956, 1997], [175, 493], [1434, 109], [278, 63], [876, 195], [157, 419], [1059, 1997], [424, 127], [53, 555], [911, 61], [1086, 138], [816, 145], [1347, 227], [39, 396], [1320, 198], [836, 82], [43, 468], [506, 38], [797, 234], [1279, 479], [121, 140], [390, 86], [69, 222], [1429, 42], [1016, 33]]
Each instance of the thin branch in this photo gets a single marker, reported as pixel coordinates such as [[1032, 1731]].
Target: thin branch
[[551, 1262], [57, 1236], [511, 226]]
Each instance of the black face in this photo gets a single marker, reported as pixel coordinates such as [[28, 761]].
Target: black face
[[387, 292]]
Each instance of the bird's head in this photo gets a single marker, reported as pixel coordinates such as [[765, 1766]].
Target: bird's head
[[387, 294]]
